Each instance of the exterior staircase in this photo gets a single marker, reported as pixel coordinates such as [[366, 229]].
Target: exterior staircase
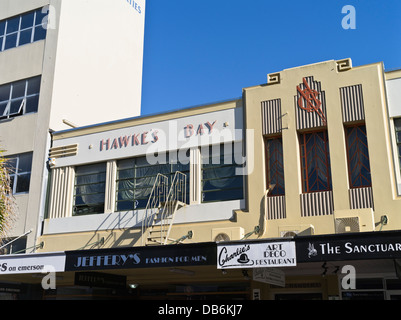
[[163, 203]]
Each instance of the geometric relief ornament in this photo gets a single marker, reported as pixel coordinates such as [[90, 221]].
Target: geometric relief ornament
[[310, 104]]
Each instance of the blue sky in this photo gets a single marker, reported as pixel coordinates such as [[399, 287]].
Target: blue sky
[[202, 51]]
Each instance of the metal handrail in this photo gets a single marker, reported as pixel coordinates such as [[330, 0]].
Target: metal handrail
[[156, 197], [177, 194]]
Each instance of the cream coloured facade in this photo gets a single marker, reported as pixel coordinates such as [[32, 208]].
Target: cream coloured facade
[[344, 195], [74, 68]]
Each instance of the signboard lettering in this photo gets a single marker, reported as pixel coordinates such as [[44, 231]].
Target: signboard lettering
[[254, 255], [348, 247]]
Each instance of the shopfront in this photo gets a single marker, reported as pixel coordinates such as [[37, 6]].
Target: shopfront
[[357, 266]]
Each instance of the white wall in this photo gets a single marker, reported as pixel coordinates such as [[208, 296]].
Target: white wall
[[98, 67], [394, 97]]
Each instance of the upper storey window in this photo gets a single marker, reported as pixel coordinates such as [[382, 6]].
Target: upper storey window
[[358, 157], [20, 97], [315, 162], [25, 28]]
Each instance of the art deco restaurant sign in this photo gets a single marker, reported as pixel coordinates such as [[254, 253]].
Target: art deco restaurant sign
[[256, 255]]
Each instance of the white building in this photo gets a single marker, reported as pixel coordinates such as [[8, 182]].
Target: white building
[[62, 63]]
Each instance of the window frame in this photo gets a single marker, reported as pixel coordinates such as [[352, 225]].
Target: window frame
[[213, 166], [6, 34], [15, 173], [169, 162], [23, 99], [96, 205]]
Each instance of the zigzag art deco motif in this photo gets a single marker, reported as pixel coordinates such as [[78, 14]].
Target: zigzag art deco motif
[[313, 104]]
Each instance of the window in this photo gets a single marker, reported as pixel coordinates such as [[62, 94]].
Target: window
[[23, 29], [275, 168], [90, 183], [20, 97], [13, 246], [20, 172], [315, 162], [220, 181], [135, 179], [358, 157], [397, 126]]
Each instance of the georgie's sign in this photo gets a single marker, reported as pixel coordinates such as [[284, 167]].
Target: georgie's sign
[[255, 255]]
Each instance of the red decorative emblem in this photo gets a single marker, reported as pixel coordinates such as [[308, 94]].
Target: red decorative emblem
[[309, 101]]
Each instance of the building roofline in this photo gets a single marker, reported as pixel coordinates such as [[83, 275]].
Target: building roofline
[[154, 117]]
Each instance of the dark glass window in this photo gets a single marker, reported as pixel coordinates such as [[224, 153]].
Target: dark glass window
[[19, 167], [136, 177], [221, 180], [397, 126], [275, 167], [90, 184], [358, 157], [315, 162], [20, 97]]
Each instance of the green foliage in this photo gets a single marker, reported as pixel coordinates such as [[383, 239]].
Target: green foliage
[[7, 201]]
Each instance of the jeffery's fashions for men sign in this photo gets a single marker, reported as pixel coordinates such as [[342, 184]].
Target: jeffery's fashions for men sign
[[256, 255]]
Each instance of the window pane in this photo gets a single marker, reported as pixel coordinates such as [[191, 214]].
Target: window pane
[[32, 104], [219, 179], [11, 41], [23, 183], [2, 27], [13, 24], [397, 124], [232, 194], [40, 33], [16, 107], [27, 20], [25, 162], [358, 157], [25, 37], [3, 106], [398, 136], [40, 17], [275, 167], [90, 189], [12, 179], [33, 85], [217, 184], [1, 43], [94, 168], [18, 89], [12, 164], [5, 92]]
